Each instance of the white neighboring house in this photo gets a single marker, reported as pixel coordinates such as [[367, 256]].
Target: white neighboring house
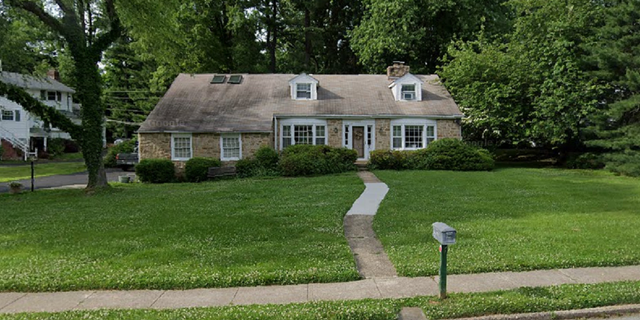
[[25, 131]]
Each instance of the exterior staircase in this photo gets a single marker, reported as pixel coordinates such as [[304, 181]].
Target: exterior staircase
[[17, 143], [361, 165]]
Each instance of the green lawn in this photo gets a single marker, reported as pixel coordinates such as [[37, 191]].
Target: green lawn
[[12, 173], [215, 234], [521, 300], [510, 219]]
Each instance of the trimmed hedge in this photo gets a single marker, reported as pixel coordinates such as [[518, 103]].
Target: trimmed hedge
[[444, 154], [264, 163], [305, 160], [156, 171], [197, 169]]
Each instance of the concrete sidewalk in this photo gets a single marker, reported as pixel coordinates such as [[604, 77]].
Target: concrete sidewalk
[[375, 288]]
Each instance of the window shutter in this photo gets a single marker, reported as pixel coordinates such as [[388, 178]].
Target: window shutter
[[17, 115]]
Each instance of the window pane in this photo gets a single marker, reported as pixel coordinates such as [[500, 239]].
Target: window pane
[[51, 95], [182, 147], [346, 135], [320, 141], [230, 147], [369, 134], [303, 134], [413, 136], [320, 131], [397, 143], [429, 140], [408, 92], [286, 142], [303, 91], [397, 131], [430, 131], [7, 115]]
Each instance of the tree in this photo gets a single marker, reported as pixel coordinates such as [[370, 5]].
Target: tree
[[419, 32], [87, 28], [18, 50], [529, 86], [614, 56]]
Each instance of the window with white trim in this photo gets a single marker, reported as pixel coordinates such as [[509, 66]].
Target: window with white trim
[[315, 134], [303, 91], [412, 136], [231, 147], [181, 147], [408, 92], [7, 115]]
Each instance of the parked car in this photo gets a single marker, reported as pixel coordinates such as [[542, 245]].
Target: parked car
[[127, 161]]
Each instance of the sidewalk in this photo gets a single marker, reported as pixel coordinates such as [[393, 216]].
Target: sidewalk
[[375, 288]]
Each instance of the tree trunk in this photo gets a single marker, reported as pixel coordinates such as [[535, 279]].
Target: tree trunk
[[307, 39], [92, 115]]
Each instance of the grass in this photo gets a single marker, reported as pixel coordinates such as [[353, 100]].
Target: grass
[[521, 300], [215, 234], [13, 173], [510, 219]]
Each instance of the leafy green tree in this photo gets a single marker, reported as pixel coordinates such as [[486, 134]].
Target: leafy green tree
[[18, 50], [529, 86], [615, 54], [419, 32], [87, 29]]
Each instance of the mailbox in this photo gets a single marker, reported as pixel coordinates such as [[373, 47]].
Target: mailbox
[[444, 234]]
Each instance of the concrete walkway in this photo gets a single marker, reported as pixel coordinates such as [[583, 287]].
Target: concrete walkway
[[371, 260], [376, 288]]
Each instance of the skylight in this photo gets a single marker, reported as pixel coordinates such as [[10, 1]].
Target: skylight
[[235, 79], [218, 79]]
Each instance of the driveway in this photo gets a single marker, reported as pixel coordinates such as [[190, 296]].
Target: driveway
[[65, 180]]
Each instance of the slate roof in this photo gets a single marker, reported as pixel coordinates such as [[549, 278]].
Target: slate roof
[[193, 104], [33, 82]]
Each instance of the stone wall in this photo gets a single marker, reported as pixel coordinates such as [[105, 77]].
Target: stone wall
[[251, 142], [154, 145], [335, 136], [449, 129], [206, 145], [383, 134]]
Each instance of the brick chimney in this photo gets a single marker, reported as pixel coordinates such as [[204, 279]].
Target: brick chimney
[[397, 70], [53, 74]]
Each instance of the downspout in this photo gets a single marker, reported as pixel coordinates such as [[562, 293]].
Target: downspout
[[275, 135]]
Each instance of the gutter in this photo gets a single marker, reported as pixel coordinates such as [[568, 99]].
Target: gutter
[[378, 116]]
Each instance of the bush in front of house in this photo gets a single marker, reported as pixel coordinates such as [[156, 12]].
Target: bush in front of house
[[264, 163], [444, 154], [305, 160], [197, 169], [124, 147], [55, 147], [156, 171]]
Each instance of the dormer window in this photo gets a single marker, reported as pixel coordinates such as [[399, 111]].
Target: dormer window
[[303, 91], [409, 92], [304, 87], [407, 88]]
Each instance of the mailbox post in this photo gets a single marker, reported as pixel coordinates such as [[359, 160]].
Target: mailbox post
[[446, 236]]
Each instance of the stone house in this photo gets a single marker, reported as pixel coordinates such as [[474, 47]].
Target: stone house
[[229, 117]]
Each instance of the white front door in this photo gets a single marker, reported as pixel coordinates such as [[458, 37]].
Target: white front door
[[360, 136]]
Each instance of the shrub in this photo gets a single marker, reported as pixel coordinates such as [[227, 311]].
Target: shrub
[[247, 168], [267, 157], [444, 154], [626, 163], [124, 147], [55, 147], [585, 161], [453, 154], [156, 171], [1, 149], [304, 160], [196, 169]]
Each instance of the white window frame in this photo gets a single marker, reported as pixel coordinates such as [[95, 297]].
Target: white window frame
[[7, 113], [369, 130], [414, 96], [173, 150], [424, 123], [310, 90], [303, 122], [237, 136]]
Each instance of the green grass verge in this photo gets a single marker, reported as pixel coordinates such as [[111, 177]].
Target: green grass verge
[[521, 300], [215, 234], [510, 219], [13, 173]]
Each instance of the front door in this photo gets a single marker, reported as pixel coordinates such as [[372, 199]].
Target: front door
[[358, 141]]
